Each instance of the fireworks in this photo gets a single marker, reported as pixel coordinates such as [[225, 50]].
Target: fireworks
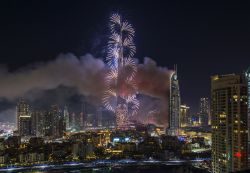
[[120, 95]]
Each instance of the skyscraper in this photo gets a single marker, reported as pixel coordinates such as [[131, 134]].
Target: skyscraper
[[247, 74], [58, 123], [82, 116], [73, 121], [81, 123], [204, 111], [184, 114], [90, 120], [99, 116], [229, 123], [23, 118], [37, 123], [66, 117], [174, 105], [54, 123], [48, 124]]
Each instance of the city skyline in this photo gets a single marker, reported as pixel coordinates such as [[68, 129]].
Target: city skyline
[[125, 86], [187, 43]]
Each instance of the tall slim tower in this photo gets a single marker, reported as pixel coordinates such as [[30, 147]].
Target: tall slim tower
[[23, 117], [229, 123], [174, 105], [247, 75], [37, 123], [73, 121], [66, 117], [99, 116], [120, 94], [204, 111], [58, 124]]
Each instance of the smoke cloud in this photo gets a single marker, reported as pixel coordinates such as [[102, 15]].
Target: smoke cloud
[[83, 76], [84, 73], [153, 80]]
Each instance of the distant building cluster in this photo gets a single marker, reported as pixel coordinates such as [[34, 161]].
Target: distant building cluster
[[39, 123], [53, 123], [140, 143]]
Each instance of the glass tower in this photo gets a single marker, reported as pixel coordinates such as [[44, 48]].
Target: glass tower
[[174, 105], [229, 123]]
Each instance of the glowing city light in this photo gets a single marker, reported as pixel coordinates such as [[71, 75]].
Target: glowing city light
[[238, 154]]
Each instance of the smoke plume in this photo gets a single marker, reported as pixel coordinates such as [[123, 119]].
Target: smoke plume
[[82, 76]]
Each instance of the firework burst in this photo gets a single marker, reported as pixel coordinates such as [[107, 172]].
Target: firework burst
[[120, 95]]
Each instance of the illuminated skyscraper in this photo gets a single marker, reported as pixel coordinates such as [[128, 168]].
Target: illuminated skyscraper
[[73, 121], [58, 123], [47, 128], [174, 105], [184, 114], [229, 123], [54, 123], [204, 111], [66, 117], [37, 123], [23, 117]]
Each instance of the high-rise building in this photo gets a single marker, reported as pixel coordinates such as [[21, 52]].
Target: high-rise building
[[23, 118], [81, 123], [90, 120], [174, 105], [37, 123], [229, 123], [25, 126], [204, 113], [66, 117], [247, 74], [82, 116], [184, 115], [99, 116], [73, 121], [54, 123], [48, 125], [58, 123]]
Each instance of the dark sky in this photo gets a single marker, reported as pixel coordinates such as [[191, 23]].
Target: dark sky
[[202, 37]]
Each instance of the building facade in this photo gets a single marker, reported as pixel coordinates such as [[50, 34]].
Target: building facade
[[229, 123], [23, 118], [37, 123], [53, 123], [66, 117], [247, 75], [58, 123], [174, 105], [204, 113], [184, 113]]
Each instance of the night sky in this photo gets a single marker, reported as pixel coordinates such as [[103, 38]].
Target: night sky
[[203, 37]]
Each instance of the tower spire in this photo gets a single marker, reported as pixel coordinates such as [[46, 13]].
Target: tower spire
[[176, 69]]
